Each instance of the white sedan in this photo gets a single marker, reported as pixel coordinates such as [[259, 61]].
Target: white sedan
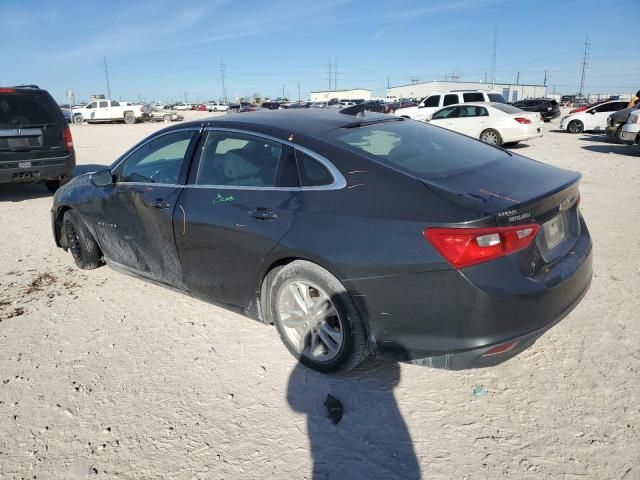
[[217, 107], [593, 118], [494, 123]]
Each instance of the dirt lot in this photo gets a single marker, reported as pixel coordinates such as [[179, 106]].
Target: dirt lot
[[106, 376]]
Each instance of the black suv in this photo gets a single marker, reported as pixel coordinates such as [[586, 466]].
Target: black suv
[[548, 108], [35, 139]]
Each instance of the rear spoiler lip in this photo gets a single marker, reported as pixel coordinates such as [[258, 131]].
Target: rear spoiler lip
[[496, 204]]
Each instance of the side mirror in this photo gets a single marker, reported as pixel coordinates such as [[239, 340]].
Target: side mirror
[[102, 178]]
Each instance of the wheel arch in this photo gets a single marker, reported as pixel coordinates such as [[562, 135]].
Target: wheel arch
[[270, 267]]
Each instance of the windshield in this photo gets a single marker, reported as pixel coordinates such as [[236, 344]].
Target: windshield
[[24, 109], [418, 148], [507, 108]]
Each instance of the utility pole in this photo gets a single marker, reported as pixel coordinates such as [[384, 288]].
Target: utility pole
[[545, 78], [335, 75], [298, 92], [518, 79], [283, 97], [493, 57], [224, 90], [105, 66], [185, 97], [388, 84], [485, 77], [330, 75], [584, 63]]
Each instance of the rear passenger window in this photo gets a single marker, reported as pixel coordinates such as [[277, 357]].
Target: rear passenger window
[[450, 100], [236, 159], [104, 104], [432, 101], [473, 97], [312, 172]]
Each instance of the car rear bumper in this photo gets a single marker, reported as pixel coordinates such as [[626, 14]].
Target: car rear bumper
[[37, 169], [446, 318]]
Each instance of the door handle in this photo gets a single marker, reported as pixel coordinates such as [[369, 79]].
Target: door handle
[[159, 203], [263, 214]]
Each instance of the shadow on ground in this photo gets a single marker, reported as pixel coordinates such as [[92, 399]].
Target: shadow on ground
[[372, 440], [18, 192], [629, 150]]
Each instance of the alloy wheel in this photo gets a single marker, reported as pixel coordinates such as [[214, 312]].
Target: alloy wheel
[[73, 242], [490, 137], [311, 321]]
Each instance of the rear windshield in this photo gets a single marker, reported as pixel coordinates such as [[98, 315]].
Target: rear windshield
[[496, 97], [507, 108], [26, 109], [417, 148]]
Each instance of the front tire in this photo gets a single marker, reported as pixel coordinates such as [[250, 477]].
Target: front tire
[[81, 244], [166, 118], [575, 126], [492, 137], [316, 318]]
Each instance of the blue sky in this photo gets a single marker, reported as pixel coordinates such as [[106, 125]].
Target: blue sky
[[160, 49]]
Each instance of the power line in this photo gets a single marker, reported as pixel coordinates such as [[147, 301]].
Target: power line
[[105, 66], [584, 63]]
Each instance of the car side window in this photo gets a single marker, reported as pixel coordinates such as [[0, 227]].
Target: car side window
[[92, 105], [115, 104], [472, 97], [160, 160], [237, 159], [104, 104], [432, 101], [451, 112], [473, 111], [450, 100], [312, 172]]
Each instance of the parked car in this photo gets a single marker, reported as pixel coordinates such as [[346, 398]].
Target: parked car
[[201, 108], [630, 132], [494, 123], [68, 116], [402, 103], [164, 116], [109, 111], [217, 107], [594, 118], [432, 103], [301, 233], [616, 121], [548, 108], [582, 105], [35, 139], [271, 105], [182, 106]]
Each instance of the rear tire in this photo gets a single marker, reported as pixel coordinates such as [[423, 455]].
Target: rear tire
[[129, 118], [77, 119], [618, 137], [80, 242], [492, 137], [166, 118], [327, 317], [575, 126]]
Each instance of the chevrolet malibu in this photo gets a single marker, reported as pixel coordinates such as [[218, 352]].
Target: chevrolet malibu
[[352, 234]]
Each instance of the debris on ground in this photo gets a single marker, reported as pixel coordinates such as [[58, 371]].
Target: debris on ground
[[334, 408]]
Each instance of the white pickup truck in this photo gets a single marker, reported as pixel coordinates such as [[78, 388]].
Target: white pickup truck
[[109, 111]]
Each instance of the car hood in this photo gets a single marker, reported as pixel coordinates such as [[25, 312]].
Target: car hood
[[503, 184]]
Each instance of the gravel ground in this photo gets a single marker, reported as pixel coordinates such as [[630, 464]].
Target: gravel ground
[[105, 376]]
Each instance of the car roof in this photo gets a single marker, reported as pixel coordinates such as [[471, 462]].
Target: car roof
[[303, 121]]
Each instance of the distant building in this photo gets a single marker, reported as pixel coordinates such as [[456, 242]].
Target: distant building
[[509, 91], [353, 94]]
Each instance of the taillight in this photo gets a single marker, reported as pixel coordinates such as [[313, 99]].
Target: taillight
[[524, 121], [7, 90], [463, 247], [68, 139]]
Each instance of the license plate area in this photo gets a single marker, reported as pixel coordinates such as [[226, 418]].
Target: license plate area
[[24, 164], [20, 142], [554, 232]]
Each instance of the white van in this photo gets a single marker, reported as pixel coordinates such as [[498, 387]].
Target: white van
[[436, 101]]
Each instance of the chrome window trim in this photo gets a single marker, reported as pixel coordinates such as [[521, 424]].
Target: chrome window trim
[[339, 182]]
